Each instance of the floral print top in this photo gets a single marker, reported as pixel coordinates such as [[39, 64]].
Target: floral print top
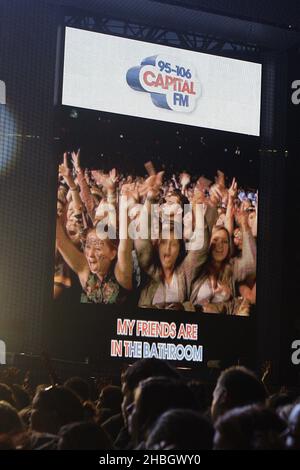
[[107, 291]]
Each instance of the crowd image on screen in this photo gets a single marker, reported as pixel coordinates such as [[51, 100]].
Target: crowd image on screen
[[197, 254]]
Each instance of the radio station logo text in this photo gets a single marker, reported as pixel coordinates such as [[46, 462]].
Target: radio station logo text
[[171, 85]]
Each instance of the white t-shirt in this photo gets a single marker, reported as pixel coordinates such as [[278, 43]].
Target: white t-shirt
[[206, 294]]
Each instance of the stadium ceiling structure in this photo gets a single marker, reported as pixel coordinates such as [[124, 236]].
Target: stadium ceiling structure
[[198, 42], [270, 25]]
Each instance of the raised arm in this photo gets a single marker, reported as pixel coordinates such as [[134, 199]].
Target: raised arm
[[85, 192], [248, 293], [109, 183], [124, 266], [184, 179], [197, 255], [65, 172], [229, 219], [195, 259], [246, 264], [143, 246], [72, 256]]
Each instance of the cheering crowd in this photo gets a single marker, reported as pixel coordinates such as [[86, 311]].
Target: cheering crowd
[[197, 254]]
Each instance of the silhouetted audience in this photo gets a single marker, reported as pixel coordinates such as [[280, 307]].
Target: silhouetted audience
[[154, 409], [139, 371]]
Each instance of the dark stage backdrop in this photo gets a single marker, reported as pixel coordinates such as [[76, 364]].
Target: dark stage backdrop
[[291, 317], [27, 52]]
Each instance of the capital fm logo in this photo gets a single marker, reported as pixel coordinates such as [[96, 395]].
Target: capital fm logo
[[171, 84]]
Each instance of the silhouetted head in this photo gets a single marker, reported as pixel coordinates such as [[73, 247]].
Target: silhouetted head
[[10, 422], [153, 397], [236, 386], [22, 398], [252, 427], [293, 437], [139, 371], [111, 397], [83, 436], [6, 394], [78, 386], [53, 407], [181, 429]]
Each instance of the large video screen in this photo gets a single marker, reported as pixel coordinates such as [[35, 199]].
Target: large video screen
[[136, 78], [154, 215]]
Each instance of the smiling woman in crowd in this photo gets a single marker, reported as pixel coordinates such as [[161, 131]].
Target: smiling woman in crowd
[[171, 269]]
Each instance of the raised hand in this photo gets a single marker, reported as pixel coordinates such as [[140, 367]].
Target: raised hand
[[113, 177], [108, 181], [184, 179], [130, 190], [210, 308], [232, 191], [215, 195], [203, 183], [150, 168], [242, 217], [152, 186], [218, 190], [198, 196], [97, 175], [174, 306], [266, 370], [65, 171]]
